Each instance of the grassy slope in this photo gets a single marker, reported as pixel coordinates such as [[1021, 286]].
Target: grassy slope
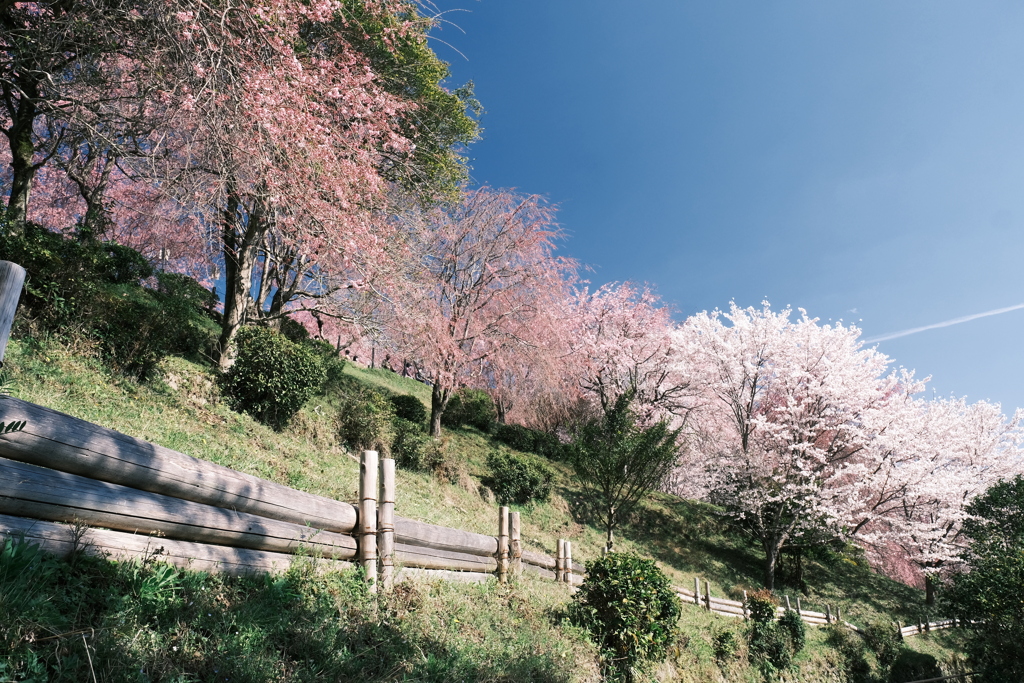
[[184, 412]]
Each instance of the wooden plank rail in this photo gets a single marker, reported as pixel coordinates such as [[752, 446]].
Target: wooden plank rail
[[430, 558], [61, 442], [41, 493], [118, 545], [411, 532]]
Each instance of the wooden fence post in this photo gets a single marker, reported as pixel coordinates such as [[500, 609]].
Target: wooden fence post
[[899, 629], [746, 613], [696, 590], [12, 277], [828, 614], [560, 561], [386, 522], [503, 544], [568, 562], [839, 614], [707, 594], [788, 608], [516, 542], [798, 610], [368, 517]]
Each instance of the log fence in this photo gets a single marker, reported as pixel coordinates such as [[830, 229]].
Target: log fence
[[140, 499]]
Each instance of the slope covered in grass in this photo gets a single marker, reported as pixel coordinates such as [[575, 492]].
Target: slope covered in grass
[[182, 409]]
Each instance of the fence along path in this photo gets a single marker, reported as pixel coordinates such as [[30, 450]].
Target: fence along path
[[141, 498]]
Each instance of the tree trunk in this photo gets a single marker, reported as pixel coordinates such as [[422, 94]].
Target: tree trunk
[[19, 135], [771, 552], [438, 402], [929, 589], [241, 240], [610, 530]]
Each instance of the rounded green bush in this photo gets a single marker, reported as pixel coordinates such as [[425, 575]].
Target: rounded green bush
[[366, 420], [272, 377], [409, 408], [515, 479], [471, 407], [630, 610]]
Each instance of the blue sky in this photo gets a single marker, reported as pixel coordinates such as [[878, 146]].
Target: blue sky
[[863, 160]]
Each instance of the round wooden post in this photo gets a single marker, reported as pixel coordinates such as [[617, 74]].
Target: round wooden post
[[696, 590], [560, 561], [707, 594], [828, 614], [503, 543], [12, 277], [798, 610], [839, 614], [568, 562], [788, 608], [746, 613], [368, 517], [515, 540], [386, 523], [899, 629]]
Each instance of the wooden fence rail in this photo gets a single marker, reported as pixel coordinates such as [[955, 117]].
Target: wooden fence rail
[[139, 498]]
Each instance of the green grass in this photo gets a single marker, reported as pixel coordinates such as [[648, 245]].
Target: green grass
[[142, 621], [184, 411]]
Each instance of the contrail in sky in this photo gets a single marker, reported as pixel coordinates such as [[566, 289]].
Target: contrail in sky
[[947, 323]]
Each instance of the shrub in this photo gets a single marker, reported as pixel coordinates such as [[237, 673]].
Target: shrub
[[272, 377], [470, 407], [366, 419], [771, 643], [914, 666], [630, 610], [794, 626], [516, 436], [725, 646], [411, 446], [851, 651], [884, 640], [515, 479], [409, 408]]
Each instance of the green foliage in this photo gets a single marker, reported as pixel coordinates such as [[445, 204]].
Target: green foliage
[[409, 408], [530, 441], [412, 448], [630, 610], [883, 639], [852, 652], [91, 289], [770, 647], [366, 419], [515, 479], [761, 606], [620, 462], [470, 407], [725, 645], [444, 119], [990, 591], [915, 666], [795, 628], [272, 377]]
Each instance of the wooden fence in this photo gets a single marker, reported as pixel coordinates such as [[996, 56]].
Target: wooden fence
[[138, 498], [738, 608]]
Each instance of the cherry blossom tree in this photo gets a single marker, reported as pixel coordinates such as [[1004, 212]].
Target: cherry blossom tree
[[622, 339], [478, 285], [786, 406], [935, 457]]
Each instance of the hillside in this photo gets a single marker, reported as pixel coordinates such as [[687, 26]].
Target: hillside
[[182, 410]]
